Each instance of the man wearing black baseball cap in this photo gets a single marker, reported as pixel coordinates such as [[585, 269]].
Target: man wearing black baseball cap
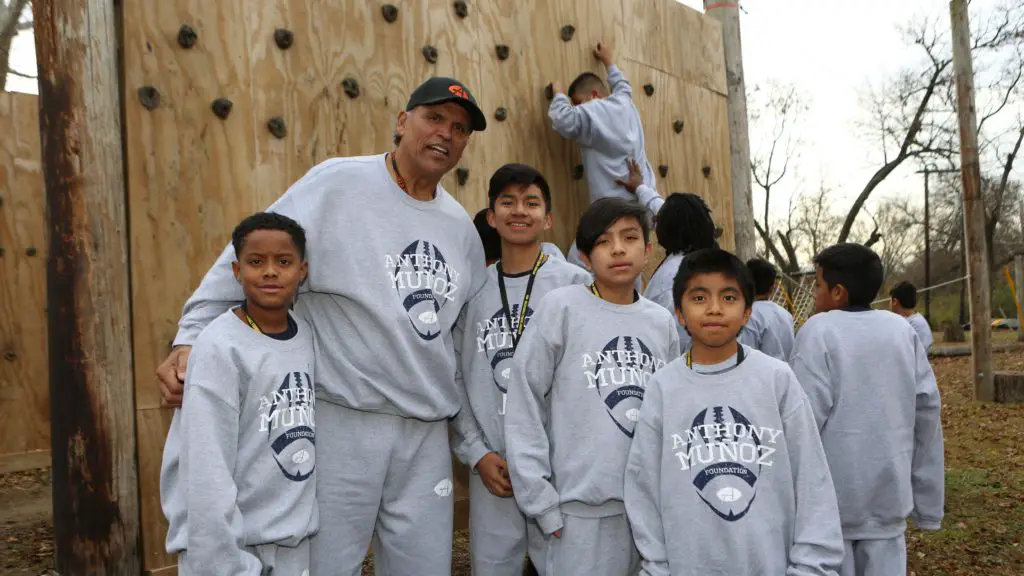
[[393, 258]]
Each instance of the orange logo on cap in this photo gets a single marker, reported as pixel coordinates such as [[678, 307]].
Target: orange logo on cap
[[458, 91]]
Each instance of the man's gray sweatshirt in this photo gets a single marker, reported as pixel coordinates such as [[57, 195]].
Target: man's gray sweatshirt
[[877, 406], [388, 277], [240, 458], [727, 475], [578, 380], [483, 340]]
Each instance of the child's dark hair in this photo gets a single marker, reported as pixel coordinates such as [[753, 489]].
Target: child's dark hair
[[602, 214], [586, 82], [517, 175], [764, 275], [684, 224], [269, 221], [488, 235], [905, 293], [711, 261], [856, 267]]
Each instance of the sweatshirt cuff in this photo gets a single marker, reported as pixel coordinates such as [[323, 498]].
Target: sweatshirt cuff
[[645, 194], [927, 524], [474, 453], [186, 336], [550, 521]]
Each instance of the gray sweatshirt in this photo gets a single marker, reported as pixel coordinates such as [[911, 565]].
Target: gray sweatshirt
[[770, 330], [245, 446], [609, 132], [727, 475], [659, 291], [388, 277], [578, 380], [483, 340], [877, 406], [924, 331]]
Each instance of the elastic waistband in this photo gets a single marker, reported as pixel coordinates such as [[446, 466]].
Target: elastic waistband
[[581, 510]]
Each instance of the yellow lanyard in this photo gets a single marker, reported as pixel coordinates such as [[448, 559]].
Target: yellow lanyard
[[249, 319]]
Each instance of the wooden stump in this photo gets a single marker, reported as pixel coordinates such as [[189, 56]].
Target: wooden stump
[[952, 332], [1009, 387]]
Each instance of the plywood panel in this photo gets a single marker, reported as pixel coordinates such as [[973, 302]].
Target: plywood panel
[[24, 371]]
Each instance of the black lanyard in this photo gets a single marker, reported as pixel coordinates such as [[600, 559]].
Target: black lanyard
[[596, 292], [518, 331], [739, 357]]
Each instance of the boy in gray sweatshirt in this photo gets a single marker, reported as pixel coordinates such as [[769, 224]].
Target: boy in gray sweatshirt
[[877, 406], [577, 382], [726, 474], [238, 475], [903, 301], [770, 328], [485, 340]]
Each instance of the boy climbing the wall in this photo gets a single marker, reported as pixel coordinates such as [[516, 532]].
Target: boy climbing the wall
[[877, 406], [726, 473], [607, 127], [237, 481], [577, 382], [486, 336], [770, 328]]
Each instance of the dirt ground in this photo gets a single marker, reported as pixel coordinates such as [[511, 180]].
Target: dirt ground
[[981, 533]]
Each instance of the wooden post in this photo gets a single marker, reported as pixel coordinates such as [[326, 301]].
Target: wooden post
[[95, 489], [728, 14], [1018, 292], [974, 209]]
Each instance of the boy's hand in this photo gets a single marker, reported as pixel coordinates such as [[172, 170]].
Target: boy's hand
[[557, 533], [603, 53], [493, 470], [556, 88], [635, 178], [171, 376]]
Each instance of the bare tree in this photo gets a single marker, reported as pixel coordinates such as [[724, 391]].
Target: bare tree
[[775, 116], [12, 21]]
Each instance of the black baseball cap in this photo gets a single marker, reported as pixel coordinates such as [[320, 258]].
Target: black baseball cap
[[440, 89]]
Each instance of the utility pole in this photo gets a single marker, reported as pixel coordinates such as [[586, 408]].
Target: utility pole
[[974, 209], [728, 13], [92, 412]]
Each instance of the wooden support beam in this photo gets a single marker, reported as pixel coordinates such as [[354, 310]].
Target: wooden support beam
[[1018, 292], [95, 489], [974, 209]]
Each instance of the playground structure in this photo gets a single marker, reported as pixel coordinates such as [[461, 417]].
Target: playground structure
[[225, 104]]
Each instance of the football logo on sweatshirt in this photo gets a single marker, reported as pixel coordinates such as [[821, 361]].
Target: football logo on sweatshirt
[[725, 455], [425, 282], [287, 416], [619, 373], [494, 338]]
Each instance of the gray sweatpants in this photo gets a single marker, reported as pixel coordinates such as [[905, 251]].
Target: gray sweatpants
[[591, 546], [875, 557], [387, 479], [273, 560], [499, 535]]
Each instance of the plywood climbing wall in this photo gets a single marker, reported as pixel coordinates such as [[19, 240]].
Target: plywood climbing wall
[[192, 174]]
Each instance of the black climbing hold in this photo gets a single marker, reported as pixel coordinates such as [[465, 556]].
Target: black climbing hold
[[222, 107], [2, 252], [284, 38], [502, 51], [390, 12], [718, 231], [351, 87], [10, 356], [706, 170], [187, 36], [577, 172], [567, 31], [549, 91], [663, 170], [462, 174], [276, 127], [678, 126], [500, 114], [30, 251], [430, 53], [461, 10], [149, 97], [648, 89]]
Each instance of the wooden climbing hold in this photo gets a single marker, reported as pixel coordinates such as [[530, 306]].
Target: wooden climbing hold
[[500, 114], [501, 50], [390, 12], [430, 53], [648, 89], [284, 38], [706, 170], [567, 32], [549, 91], [222, 107], [577, 172], [678, 126], [277, 127], [461, 10], [187, 37], [30, 251], [663, 170], [351, 87], [149, 97], [462, 174]]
